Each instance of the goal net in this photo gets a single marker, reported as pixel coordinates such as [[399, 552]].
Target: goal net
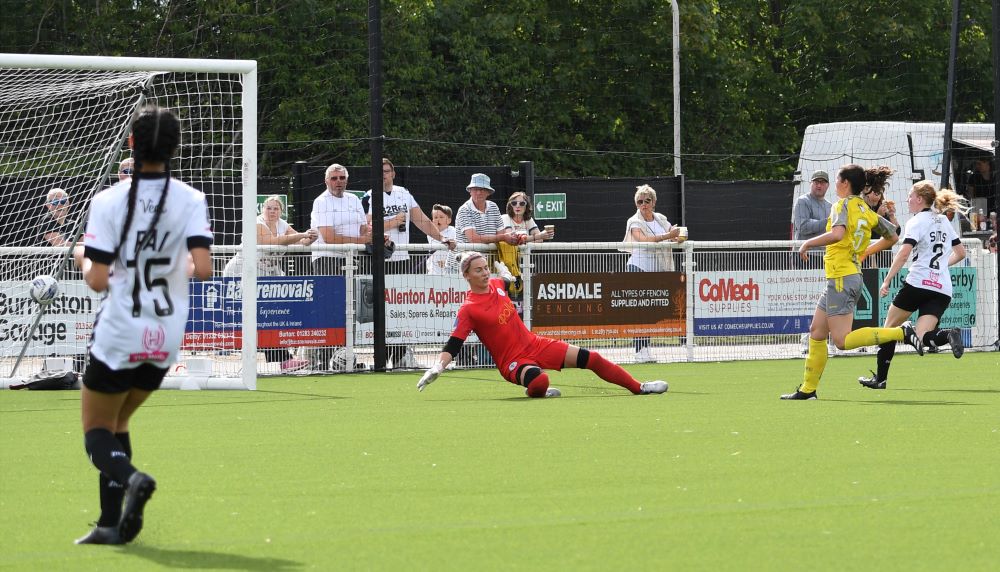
[[64, 125]]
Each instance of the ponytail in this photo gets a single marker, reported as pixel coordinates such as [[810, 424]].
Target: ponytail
[[133, 191]]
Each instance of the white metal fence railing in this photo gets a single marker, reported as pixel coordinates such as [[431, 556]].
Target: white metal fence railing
[[721, 301]]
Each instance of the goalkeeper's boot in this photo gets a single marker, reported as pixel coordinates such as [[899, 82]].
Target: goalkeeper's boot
[[653, 387], [955, 341], [101, 535], [138, 492], [799, 395], [552, 392], [911, 338], [872, 382]]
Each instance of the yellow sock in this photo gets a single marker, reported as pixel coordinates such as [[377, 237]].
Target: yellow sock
[[872, 337], [815, 364]]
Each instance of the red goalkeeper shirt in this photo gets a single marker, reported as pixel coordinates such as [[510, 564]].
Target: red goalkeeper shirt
[[494, 319]]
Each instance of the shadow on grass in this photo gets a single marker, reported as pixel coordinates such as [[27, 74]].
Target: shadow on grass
[[901, 402], [202, 560], [929, 390]]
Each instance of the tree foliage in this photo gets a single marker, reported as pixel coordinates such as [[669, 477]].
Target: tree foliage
[[579, 87]]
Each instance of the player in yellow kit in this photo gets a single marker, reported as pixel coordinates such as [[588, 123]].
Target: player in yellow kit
[[847, 240]]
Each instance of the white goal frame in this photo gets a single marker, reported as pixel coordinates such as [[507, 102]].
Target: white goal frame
[[201, 376]]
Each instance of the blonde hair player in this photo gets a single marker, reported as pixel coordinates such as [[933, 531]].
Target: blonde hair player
[[847, 240], [935, 246], [520, 355], [144, 238]]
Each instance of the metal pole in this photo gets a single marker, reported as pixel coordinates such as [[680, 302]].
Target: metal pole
[[996, 115], [950, 98], [675, 11], [378, 225]]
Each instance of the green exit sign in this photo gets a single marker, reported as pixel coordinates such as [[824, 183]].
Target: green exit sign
[[550, 206]]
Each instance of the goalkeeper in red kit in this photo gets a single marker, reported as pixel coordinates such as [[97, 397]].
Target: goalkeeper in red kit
[[521, 356]]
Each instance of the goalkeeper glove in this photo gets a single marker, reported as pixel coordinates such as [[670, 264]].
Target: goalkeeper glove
[[429, 376], [503, 271]]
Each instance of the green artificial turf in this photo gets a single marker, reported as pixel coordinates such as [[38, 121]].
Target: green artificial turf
[[363, 472]]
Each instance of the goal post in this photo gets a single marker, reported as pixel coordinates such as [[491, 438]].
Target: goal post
[[64, 124]]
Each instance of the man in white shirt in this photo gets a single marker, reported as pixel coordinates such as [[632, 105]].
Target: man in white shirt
[[339, 218], [399, 208]]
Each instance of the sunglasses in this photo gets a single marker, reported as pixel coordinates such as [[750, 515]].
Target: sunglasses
[[126, 171], [340, 178], [518, 203], [58, 202], [643, 201]]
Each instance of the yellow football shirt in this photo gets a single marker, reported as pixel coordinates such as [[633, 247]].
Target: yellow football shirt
[[853, 213]]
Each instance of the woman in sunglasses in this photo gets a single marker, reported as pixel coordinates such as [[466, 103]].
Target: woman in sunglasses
[[57, 229], [647, 225], [518, 220]]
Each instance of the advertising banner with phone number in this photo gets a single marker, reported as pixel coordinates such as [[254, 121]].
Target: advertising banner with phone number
[[571, 305], [292, 311]]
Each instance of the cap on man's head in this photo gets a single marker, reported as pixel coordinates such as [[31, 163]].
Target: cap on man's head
[[820, 176], [480, 181]]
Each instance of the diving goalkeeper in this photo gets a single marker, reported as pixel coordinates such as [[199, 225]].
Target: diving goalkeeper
[[521, 356]]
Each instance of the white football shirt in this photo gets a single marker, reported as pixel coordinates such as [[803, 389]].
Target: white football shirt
[[142, 318], [932, 238], [398, 201]]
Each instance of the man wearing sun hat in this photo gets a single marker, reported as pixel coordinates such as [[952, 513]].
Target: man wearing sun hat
[[478, 220]]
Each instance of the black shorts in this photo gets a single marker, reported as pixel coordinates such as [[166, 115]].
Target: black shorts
[[910, 298], [100, 377]]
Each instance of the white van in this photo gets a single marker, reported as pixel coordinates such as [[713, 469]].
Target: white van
[[913, 150]]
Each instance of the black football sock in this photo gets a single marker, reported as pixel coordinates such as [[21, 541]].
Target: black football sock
[[108, 455], [940, 336], [884, 360]]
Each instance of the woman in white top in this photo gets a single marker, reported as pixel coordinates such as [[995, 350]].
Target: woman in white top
[[933, 245], [518, 220], [144, 238], [647, 225], [273, 229]]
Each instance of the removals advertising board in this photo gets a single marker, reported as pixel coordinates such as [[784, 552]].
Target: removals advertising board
[[292, 311]]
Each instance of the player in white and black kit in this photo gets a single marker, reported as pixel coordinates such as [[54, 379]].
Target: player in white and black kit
[[935, 246], [144, 238]]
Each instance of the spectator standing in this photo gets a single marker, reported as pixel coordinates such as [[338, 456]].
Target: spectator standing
[[399, 208], [125, 169], [647, 225], [478, 220], [273, 229], [442, 262], [983, 184], [518, 220], [338, 218], [811, 211], [57, 229]]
